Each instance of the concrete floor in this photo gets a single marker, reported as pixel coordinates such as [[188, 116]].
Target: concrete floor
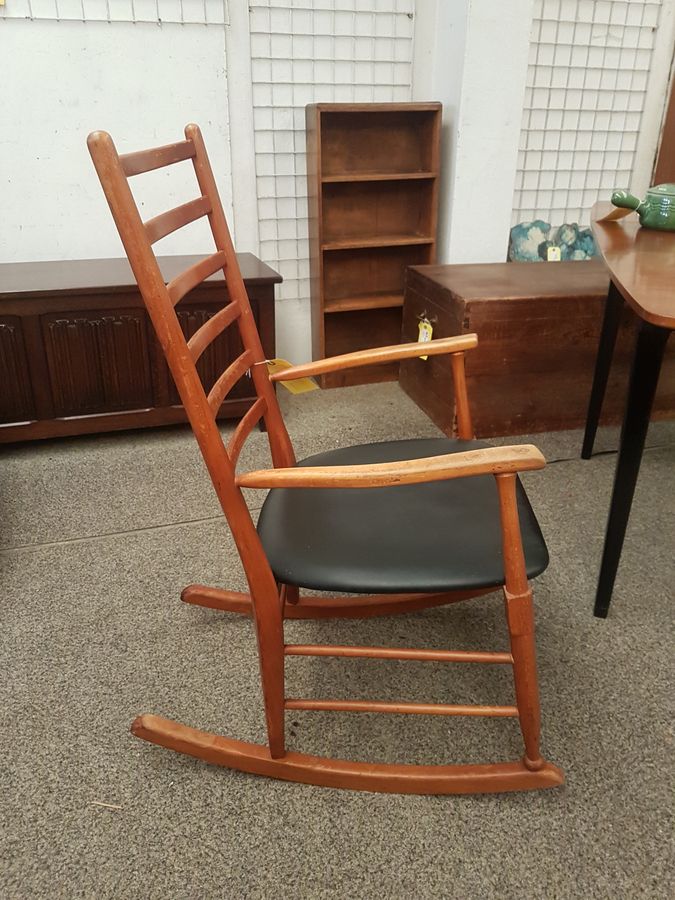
[[99, 535]]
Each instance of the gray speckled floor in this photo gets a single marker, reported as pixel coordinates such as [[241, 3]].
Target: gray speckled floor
[[99, 536]]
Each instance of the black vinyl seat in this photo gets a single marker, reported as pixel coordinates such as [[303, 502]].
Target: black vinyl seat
[[433, 537]]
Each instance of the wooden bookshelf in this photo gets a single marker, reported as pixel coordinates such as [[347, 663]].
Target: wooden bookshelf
[[372, 171]]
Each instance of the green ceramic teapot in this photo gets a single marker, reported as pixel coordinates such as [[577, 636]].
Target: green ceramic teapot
[[657, 210]]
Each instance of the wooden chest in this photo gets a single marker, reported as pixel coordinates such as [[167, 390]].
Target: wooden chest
[[78, 353], [538, 328]]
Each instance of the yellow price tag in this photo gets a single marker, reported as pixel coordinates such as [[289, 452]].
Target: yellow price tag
[[297, 385], [425, 332]]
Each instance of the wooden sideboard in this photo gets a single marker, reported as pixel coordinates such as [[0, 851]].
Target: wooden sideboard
[[78, 354]]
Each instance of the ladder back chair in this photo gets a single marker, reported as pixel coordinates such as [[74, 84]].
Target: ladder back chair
[[399, 525]]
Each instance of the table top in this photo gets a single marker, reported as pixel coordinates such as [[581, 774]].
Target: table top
[[519, 280], [641, 263], [95, 276]]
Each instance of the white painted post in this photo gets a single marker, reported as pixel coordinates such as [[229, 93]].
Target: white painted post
[[477, 69], [242, 135], [438, 74]]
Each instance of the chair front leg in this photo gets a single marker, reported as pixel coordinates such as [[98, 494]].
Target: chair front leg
[[520, 620]]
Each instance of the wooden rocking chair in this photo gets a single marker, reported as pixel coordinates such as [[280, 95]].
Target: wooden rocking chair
[[445, 520]]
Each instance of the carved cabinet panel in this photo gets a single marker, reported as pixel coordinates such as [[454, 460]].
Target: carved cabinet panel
[[16, 399], [98, 361]]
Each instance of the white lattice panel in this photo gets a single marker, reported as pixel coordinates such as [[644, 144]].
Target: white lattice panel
[[587, 81], [314, 51], [184, 12]]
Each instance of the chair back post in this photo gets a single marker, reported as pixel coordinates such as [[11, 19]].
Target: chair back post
[[280, 443], [263, 587]]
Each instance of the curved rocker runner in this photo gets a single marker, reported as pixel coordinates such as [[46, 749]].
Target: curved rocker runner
[[400, 525]]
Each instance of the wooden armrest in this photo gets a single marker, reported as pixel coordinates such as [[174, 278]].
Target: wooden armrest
[[488, 461], [378, 355]]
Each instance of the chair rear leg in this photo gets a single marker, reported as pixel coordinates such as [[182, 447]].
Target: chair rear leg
[[520, 619]]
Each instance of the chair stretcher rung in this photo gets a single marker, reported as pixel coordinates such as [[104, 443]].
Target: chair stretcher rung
[[170, 221], [385, 706], [210, 330], [228, 379], [182, 284], [422, 655]]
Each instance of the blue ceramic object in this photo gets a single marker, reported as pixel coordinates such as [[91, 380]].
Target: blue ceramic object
[[526, 239], [530, 241]]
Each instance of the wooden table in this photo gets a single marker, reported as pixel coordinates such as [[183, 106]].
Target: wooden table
[[641, 266], [78, 354]]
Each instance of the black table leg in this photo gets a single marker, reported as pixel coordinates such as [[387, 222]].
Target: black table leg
[[651, 343], [603, 362]]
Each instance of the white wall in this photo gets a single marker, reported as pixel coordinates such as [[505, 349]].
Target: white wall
[[141, 82]]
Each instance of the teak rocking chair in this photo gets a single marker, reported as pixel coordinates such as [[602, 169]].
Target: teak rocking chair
[[445, 520]]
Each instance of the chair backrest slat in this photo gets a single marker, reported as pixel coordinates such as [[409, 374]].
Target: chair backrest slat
[[228, 379], [156, 158], [244, 428], [210, 330], [170, 221], [182, 284], [114, 171], [280, 443]]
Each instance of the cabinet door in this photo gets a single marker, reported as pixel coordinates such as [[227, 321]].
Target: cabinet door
[[97, 361], [16, 399]]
